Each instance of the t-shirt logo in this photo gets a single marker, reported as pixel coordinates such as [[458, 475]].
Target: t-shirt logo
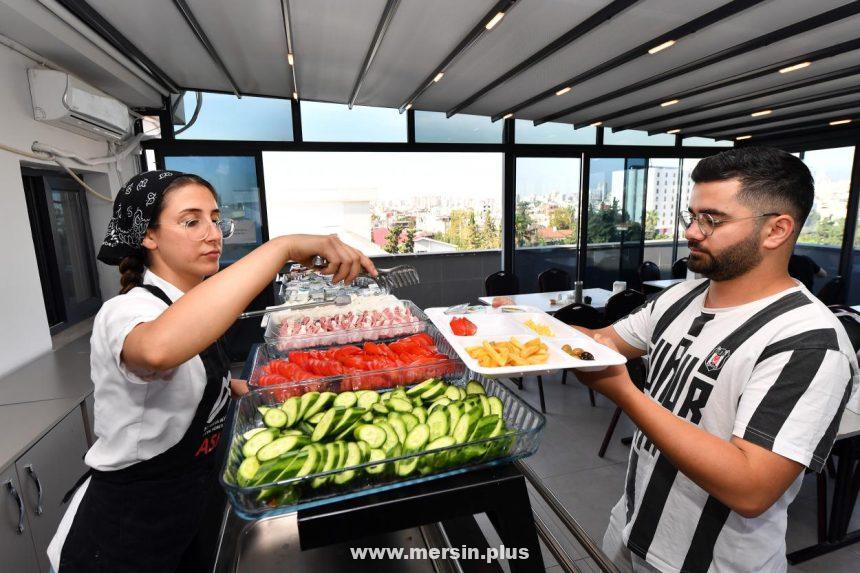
[[715, 362]]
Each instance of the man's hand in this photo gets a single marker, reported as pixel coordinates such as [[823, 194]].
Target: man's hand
[[612, 381]]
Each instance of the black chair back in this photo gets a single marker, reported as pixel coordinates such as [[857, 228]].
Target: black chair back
[[578, 314], [623, 303], [833, 292], [553, 279], [501, 283], [850, 320], [649, 271], [679, 268]]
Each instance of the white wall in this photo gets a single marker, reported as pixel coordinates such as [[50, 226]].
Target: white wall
[[24, 332]]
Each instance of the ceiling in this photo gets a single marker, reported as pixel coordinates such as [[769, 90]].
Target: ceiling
[[723, 67]]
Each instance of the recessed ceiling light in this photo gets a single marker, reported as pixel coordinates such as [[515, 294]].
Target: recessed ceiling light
[[840, 122], [495, 20], [799, 66], [295, 95], [439, 76], [661, 47], [290, 59], [508, 116], [742, 137], [762, 112], [596, 124], [670, 102], [674, 131], [408, 106], [563, 91]]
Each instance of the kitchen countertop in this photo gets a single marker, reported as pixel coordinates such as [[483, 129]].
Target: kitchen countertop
[[63, 373], [22, 425]]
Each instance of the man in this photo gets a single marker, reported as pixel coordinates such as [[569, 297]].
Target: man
[[748, 378], [805, 270]]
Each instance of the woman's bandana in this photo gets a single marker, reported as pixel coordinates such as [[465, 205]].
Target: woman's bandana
[[133, 209]]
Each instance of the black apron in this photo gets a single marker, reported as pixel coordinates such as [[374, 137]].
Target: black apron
[[147, 517]]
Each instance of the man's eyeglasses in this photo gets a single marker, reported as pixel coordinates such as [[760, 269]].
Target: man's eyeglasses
[[708, 223]]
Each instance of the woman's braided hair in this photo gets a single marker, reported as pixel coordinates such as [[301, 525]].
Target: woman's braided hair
[[131, 267]]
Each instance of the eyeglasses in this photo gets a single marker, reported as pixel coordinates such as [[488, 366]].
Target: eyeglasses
[[708, 223], [198, 230]]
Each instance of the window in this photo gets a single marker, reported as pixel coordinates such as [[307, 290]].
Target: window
[[235, 180], [660, 213], [336, 122], [634, 137], [821, 236], [388, 203], [434, 127], [553, 133], [705, 142], [546, 218], [687, 166], [223, 116]]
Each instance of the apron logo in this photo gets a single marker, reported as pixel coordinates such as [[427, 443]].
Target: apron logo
[[221, 401], [715, 362]]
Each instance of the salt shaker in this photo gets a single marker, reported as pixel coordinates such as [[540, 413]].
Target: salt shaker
[[577, 292]]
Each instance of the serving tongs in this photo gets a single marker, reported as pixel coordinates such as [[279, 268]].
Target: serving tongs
[[387, 279], [340, 300]]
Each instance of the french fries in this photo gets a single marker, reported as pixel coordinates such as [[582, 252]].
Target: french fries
[[541, 329], [509, 353]]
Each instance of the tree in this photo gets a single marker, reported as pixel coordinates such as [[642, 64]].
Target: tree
[[408, 245], [392, 240], [563, 219], [490, 235], [526, 232]]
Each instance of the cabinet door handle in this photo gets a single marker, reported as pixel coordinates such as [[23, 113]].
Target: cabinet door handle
[[32, 473], [14, 493]]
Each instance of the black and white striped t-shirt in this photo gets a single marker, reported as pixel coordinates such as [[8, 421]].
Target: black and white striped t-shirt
[[776, 372]]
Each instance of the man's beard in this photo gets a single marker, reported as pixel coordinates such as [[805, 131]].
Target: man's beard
[[733, 262]]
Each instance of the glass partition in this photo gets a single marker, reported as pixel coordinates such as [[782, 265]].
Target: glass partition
[[434, 127], [336, 122], [225, 117]]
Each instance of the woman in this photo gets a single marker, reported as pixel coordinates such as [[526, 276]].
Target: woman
[[161, 375]]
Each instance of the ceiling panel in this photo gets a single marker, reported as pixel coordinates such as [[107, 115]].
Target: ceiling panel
[[849, 112]]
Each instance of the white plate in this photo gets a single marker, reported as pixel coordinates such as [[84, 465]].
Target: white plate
[[488, 324]]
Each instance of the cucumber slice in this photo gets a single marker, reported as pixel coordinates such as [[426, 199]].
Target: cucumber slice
[[452, 393], [275, 418], [373, 435], [250, 433], [466, 425], [257, 441], [350, 417], [291, 433], [305, 403], [454, 411], [409, 420], [439, 403], [391, 438], [326, 425], [474, 387], [311, 461], [462, 392], [385, 397], [346, 399], [441, 459], [379, 408], [399, 393], [315, 419], [280, 446], [443, 442], [263, 409], [291, 407], [416, 402], [419, 388], [485, 404], [434, 391], [306, 428], [438, 423], [289, 470], [368, 399], [421, 414], [247, 470], [331, 456], [405, 467], [364, 448], [417, 438], [319, 405], [399, 428], [400, 405], [353, 458], [367, 417], [375, 456], [271, 470], [495, 406], [346, 433], [484, 428], [378, 419]]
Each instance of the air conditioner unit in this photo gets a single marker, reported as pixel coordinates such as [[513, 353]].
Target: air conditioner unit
[[67, 102]]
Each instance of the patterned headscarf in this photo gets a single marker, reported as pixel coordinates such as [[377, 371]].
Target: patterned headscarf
[[133, 208]]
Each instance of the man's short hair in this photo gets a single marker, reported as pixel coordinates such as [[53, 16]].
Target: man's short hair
[[771, 180]]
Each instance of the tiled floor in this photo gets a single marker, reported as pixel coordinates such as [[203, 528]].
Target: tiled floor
[[589, 486]]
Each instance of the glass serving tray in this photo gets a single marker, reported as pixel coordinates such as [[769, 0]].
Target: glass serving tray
[[381, 378], [524, 426], [279, 342]]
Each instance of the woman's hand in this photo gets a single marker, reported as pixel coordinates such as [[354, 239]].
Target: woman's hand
[[238, 387], [344, 262]]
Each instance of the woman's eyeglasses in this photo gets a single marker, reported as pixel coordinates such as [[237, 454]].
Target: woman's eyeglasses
[[708, 223], [198, 230]]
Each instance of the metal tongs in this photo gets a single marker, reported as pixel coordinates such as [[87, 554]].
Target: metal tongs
[[340, 300], [387, 279]]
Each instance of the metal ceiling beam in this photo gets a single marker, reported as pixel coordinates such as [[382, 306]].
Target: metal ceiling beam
[[777, 129], [789, 31], [815, 56], [780, 89], [600, 17], [106, 30], [712, 17], [477, 31], [288, 34], [195, 26], [384, 21], [746, 114], [753, 123]]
